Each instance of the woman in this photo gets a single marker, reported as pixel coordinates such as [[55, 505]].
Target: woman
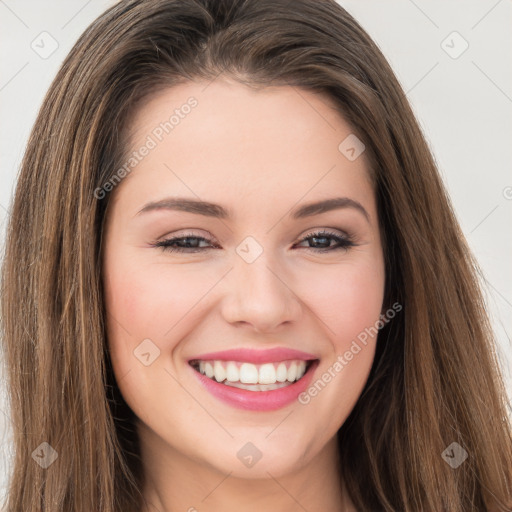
[[233, 279]]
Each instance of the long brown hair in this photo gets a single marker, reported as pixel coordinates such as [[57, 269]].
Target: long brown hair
[[435, 378]]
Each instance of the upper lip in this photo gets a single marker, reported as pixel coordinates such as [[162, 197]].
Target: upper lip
[[255, 356]]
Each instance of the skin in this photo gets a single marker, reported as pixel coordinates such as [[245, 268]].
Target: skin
[[260, 154]]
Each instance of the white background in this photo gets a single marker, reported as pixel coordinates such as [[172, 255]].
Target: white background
[[464, 105]]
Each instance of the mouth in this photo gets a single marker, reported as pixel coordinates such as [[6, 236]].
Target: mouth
[[253, 377], [255, 380]]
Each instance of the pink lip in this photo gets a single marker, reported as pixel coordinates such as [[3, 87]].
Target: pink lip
[[257, 400], [273, 355]]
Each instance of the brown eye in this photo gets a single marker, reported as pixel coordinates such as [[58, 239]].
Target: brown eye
[[321, 241], [188, 243]]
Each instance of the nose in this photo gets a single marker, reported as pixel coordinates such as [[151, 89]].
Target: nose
[[258, 295]]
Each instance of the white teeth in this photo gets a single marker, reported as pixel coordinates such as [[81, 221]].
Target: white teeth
[[208, 370], [232, 374], [301, 369], [220, 372], [257, 387], [281, 373], [248, 373], [292, 372], [267, 374], [262, 377]]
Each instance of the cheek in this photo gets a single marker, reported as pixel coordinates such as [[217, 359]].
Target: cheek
[[348, 300], [148, 300], [353, 310]]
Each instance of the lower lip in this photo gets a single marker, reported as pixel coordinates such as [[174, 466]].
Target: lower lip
[[257, 400]]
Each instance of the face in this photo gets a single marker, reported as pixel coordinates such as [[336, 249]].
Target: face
[[235, 305]]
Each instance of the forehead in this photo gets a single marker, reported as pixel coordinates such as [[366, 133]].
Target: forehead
[[224, 141]]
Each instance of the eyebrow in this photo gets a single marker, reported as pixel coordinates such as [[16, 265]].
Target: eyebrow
[[217, 211]]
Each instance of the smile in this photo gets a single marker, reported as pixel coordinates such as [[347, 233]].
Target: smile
[[257, 380], [253, 377]]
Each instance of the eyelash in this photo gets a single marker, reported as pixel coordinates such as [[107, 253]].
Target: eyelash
[[344, 242]]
